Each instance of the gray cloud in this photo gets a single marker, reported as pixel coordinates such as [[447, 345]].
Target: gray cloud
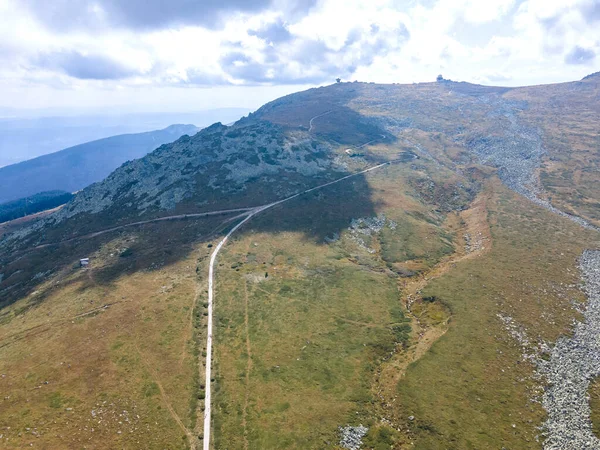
[[150, 14], [312, 52], [312, 56], [580, 55], [85, 67], [384, 43], [313, 60], [234, 58], [591, 11], [354, 36], [275, 32]]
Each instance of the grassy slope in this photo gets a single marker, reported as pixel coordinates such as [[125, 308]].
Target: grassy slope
[[568, 115], [594, 392], [470, 389], [317, 326], [137, 355]]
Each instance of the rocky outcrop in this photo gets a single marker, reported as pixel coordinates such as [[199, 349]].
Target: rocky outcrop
[[218, 158]]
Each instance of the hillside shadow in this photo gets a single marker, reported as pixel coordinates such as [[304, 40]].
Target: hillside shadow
[[345, 126], [155, 247], [317, 215], [326, 109]]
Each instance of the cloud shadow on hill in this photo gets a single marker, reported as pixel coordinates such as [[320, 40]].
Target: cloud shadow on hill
[[317, 215]]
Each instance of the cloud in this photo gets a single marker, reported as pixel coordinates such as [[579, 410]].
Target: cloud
[[308, 64], [197, 77], [591, 11], [85, 67], [298, 59], [580, 55], [274, 33], [150, 14], [161, 45], [477, 11]]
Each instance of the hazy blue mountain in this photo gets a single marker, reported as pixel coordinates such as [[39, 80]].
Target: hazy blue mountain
[[77, 167], [25, 135]]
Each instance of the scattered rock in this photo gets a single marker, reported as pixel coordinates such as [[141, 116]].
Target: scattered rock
[[365, 227], [351, 437], [516, 150], [574, 362]]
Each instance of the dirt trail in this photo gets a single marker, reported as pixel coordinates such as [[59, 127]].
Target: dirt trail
[[310, 122], [248, 365], [472, 229], [41, 328], [146, 222], [213, 258], [201, 286], [164, 396]]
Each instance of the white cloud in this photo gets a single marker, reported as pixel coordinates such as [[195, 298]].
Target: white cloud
[[499, 41]]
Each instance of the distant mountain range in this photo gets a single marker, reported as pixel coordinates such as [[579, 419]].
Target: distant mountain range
[[76, 167], [29, 134]]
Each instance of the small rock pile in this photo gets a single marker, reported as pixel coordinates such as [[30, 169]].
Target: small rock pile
[[351, 437], [365, 227], [531, 351], [474, 243]]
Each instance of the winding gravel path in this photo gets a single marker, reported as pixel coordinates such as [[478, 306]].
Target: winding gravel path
[[310, 122], [211, 270]]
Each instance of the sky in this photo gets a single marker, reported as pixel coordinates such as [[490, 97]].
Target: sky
[[186, 55]]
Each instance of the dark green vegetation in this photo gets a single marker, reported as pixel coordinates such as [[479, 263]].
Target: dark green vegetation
[[31, 205], [381, 300], [76, 167]]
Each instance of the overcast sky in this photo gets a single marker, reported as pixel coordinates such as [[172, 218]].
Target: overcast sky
[[182, 55]]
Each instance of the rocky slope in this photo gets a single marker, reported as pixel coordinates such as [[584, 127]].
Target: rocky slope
[[452, 123], [219, 158], [574, 362]]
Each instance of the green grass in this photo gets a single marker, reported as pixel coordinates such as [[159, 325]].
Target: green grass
[[594, 392], [472, 387], [314, 349], [323, 323], [318, 326], [56, 400]]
